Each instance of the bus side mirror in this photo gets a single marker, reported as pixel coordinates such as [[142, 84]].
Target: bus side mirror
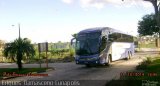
[[72, 40], [110, 39], [104, 38]]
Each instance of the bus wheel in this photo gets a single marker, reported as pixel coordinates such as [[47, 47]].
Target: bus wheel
[[109, 60], [129, 56], [131, 53]]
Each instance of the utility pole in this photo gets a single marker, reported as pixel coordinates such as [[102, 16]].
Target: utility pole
[[159, 15], [19, 31], [19, 28]]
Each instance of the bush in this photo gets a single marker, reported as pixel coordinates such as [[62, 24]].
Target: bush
[[143, 65], [68, 59], [72, 52], [59, 52]]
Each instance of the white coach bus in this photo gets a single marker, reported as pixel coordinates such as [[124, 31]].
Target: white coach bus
[[102, 45]]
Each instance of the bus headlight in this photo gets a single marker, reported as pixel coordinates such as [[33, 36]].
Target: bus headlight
[[77, 56], [77, 62]]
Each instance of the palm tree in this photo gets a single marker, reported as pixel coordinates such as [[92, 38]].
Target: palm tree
[[18, 49]]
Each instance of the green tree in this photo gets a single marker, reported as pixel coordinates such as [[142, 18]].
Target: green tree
[[18, 49], [156, 6], [1, 43], [148, 25], [1, 47]]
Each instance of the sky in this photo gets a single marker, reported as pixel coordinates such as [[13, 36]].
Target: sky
[[57, 20]]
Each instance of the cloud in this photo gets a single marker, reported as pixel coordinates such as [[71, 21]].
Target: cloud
[[92, 3], [147, 4], [68, 1], [99, 4]]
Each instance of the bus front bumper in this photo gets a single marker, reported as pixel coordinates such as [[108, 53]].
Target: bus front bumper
[[87, 61]]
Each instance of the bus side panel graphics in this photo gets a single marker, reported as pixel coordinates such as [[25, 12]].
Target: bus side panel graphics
[[105, 53], [120, 50]]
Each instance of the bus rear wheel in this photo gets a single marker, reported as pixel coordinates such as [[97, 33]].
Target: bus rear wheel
[[129, 56]]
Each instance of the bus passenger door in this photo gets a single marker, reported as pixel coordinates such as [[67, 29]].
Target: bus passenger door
[[103, 54]]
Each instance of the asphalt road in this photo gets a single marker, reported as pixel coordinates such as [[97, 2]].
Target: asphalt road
[[71, 71]]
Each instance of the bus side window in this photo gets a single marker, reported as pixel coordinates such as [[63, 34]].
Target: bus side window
[[112, 37], [103, 43]]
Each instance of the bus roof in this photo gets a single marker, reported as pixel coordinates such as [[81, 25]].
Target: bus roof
[[100, 29], [97, 29]]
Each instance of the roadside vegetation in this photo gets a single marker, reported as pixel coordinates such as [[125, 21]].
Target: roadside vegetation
[[58, 52], [19, 49], [147, 70], [150, 45], [150, 68]]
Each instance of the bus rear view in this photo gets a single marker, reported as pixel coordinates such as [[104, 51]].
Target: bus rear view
[[95, 46]]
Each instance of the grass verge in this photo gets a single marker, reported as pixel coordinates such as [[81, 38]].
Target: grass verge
[[147, 72]]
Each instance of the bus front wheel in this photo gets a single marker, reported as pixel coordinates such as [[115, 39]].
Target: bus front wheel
[[108, 60]]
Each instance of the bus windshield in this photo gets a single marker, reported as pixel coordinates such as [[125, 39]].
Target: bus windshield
[[87, 44]]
